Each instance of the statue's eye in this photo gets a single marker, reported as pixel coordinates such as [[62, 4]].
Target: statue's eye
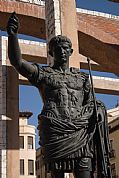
[[65, 47]]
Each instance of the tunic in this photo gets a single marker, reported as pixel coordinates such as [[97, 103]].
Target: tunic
[[66, 126]]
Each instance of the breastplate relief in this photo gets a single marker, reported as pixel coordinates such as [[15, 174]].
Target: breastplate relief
[[64, 94]]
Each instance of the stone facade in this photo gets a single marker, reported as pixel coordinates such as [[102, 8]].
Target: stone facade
[[53, 23], [27, 146], [8, 116], [3, 118], [59, 23]]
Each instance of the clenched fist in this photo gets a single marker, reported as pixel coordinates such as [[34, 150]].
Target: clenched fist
[[13, 24]]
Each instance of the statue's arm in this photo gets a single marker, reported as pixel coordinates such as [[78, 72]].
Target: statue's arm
[[14, 53], [23, 67]]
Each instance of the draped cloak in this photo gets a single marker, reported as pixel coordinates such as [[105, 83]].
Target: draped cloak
[[67, 122]]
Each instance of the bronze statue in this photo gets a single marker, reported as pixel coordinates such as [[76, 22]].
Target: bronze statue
[[67, 122]]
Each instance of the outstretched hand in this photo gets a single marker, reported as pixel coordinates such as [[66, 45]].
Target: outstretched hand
[[13, 24]]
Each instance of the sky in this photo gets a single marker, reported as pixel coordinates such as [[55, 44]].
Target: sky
[[99, 5], [30, 99]]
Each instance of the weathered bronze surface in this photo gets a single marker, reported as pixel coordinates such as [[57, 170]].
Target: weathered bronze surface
[[67, 124]]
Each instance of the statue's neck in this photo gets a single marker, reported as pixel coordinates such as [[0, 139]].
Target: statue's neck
[[62, 67]]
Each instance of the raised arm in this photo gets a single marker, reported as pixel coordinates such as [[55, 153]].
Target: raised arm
[[23, 67]]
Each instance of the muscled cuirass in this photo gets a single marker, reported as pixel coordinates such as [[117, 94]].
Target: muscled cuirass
[[64, 119], [64, 93]]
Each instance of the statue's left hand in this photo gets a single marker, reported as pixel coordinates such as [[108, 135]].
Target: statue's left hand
[[13, 24]]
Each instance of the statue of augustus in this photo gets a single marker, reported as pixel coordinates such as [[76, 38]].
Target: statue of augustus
[[67, 121]]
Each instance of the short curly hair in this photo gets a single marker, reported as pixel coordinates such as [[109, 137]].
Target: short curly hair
[[56, 40]]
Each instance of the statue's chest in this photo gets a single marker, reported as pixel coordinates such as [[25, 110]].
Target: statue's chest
[[61, 80]]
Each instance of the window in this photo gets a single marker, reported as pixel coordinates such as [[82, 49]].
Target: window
[[21, 142], [30, 142], [21, 166], [30, 167]]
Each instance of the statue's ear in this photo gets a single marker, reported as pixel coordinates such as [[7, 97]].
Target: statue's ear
[[50, 53]]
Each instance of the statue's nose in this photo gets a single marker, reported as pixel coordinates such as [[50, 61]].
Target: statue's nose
[[62, 50]]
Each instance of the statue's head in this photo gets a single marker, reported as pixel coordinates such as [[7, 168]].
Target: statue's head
[[60, 47], [55, 41]]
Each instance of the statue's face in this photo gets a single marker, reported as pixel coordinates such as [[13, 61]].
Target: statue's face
[[62, 52]]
